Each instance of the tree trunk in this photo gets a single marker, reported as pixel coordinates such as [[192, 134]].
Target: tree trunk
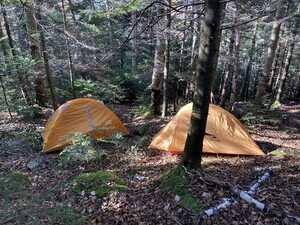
[[270, 83], [182, 44], [134, 50], [228, 69], [167, 60], [46, 62], [5, 97], [245, 87], [283, 57], [275, 67], [194, 53], [21, 79], [33, 38], [270, 54], [70, 61], [288, 58], [297, 94], [236, 63], [158, 71], [203, 82]]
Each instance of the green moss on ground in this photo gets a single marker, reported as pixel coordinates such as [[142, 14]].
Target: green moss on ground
[[278, 153], [12, 183], [175, 182], [64, 215], [78, 153], [101, 182]]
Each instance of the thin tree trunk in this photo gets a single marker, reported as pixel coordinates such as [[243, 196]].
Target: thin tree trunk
[[21, 79], [270, 83], [194, 52], [46, 62], [236, 63], [70, 61], [5, 97], [245, 87], [283, 57], [228, 69], [288, 59], [262, 83], [203, 81], [297, 94], [33, 38], [158, 70], [275, 66], [167, 61], [182, 45], [134, 50]]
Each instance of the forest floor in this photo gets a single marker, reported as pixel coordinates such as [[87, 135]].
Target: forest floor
[[44, 195]]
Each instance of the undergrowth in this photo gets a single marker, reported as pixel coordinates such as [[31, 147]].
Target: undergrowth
[[100, 182], [175, 182]]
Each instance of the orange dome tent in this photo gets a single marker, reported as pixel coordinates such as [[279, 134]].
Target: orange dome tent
[[82, 115], [224, 134]]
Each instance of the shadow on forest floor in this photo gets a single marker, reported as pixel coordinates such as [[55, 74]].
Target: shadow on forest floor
[[47, 197]]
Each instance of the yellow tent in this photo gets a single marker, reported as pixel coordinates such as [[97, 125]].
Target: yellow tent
[[82, 115], [224, 134]]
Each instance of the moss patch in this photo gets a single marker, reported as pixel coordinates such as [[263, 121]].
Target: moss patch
[[64, 215], [278, 153], [12, 183], [175, 182], [101, 182], [78, 153]]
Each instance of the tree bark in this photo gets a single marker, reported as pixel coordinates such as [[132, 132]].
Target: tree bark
[[236, 63], [262, 88], [158, 72], [228, 69], [5, 97], [275, 67], [245, 88], [288, 58], [282, 61], [46, 61], [31, 25], [70, 61], [203, 83], [134, 50], [166, 60], [194, 53]]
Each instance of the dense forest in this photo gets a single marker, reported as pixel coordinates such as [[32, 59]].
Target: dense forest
[[144, 61]]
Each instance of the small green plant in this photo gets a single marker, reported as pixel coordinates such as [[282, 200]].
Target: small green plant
[[143, 110], [77, 153], [115, 139], [175, 182], [275, 105], [100, 182], [33, 138], [27, 112], [81, 150], [249, 118], [105, 91], [81, 139]]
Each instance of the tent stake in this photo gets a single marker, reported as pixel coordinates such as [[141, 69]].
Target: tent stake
[[231, 201]]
